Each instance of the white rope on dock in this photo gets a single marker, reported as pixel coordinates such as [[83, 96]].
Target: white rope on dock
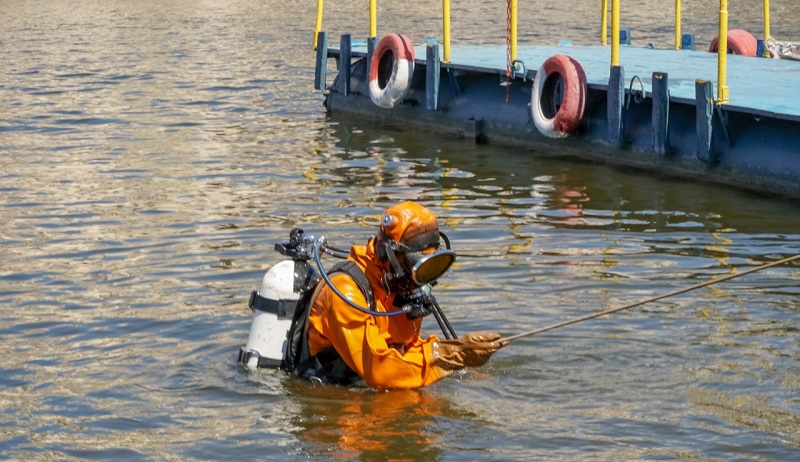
[[783, 50]]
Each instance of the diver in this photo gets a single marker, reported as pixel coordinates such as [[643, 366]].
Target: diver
[[343, 344]]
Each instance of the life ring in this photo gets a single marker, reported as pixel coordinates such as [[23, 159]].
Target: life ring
[[554, 118], [390, 70], [740, 42]]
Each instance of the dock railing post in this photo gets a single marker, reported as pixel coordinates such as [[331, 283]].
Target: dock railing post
[[722, 54], [678, 39], [318, 27], [616, 84], [373, 18], [513, 23], [603, 22], [614, 33], [446, 29]]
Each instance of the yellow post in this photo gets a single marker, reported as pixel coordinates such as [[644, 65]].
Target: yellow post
[[766, 20], [615, 32], [603, 22], [318, 28], [373, 18], [513, 30], [446, 29], [677, 24], [722, 53]]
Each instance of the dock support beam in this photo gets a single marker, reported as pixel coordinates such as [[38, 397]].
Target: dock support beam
[[433, 71], [704, 122], [660, 116], [616, 100], [321, 72], [345, 58]]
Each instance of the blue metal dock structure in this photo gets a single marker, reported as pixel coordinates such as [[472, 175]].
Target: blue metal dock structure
[[656, 111]]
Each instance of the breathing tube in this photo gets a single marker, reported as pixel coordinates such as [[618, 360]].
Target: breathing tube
[[321, 246], [419, 302]]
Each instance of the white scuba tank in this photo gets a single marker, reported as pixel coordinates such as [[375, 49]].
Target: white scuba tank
[[273, 308]]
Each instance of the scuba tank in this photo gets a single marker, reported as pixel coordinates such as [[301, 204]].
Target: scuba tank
[[283, 294]]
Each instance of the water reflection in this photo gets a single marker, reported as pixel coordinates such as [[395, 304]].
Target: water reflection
[[152, 154], [333, 422], [530, 189]]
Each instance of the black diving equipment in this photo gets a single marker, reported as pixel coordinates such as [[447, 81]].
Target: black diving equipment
[[421, 258]]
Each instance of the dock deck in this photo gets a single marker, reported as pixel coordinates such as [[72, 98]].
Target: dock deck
[[747, 77], [674, 128]]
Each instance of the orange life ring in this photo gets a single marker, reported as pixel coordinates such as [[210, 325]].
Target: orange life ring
[[740, 42], [556, 113], [390, 70]]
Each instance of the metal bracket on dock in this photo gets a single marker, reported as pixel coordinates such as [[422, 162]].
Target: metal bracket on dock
[[516, 64], [723, 120], [372, 42], [433, 71], [616, 97], [660, 117], [704, 121], [321, 70], [345, 59], [687, 42]]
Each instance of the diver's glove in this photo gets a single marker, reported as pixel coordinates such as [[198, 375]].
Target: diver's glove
[[471, 350]]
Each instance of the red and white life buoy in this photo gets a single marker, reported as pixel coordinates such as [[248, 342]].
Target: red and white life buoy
[[740, 42], [390, 70], [558, 99]]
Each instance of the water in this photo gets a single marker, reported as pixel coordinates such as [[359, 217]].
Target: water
[[152, 155]]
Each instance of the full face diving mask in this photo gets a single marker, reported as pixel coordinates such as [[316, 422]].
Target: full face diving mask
[[420, 257]]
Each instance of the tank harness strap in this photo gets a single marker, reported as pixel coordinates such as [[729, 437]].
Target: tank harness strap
[[327, 366], [305, 279], [283, 309]]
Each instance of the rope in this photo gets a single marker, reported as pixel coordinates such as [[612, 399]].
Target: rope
[[508, 50], [659, 297]]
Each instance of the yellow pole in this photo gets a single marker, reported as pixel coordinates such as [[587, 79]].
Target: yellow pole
[[373, 18], [446, 29], [603, 22], [319, 23], [722, 53], [513, 30], [766, 20], [677, 24], [615, 32]]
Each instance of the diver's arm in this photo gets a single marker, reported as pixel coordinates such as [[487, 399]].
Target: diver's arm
[[361, 343]]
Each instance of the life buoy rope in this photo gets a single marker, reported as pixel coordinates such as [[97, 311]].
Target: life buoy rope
[[740, 42], [557, 117], [390, 70]]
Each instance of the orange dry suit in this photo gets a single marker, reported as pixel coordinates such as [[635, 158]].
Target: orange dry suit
[[385, 351]]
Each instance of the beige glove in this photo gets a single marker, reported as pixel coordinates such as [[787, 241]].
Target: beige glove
[[471, 350]]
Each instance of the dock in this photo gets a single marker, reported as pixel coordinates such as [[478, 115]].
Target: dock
[[657, 110]]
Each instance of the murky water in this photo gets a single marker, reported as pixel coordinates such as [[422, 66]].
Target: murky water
[[152, 155]]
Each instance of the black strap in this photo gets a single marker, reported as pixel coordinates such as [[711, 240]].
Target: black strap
[[283, 309], [333, 369], [351, 269]]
